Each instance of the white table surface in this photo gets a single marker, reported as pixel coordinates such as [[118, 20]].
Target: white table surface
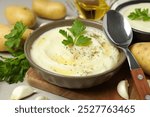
[[5, 88]]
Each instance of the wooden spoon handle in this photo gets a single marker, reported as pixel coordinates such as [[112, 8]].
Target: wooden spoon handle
[[141, 83]]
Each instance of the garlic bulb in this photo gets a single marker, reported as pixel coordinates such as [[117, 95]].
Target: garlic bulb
[[41, 98], [122, 89], [22, 92]]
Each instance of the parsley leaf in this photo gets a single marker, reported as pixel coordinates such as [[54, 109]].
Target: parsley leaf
[[77, 38], [83, 41], [69, 40], [12, 70], [77, 28], [140, 14], [14, 38]]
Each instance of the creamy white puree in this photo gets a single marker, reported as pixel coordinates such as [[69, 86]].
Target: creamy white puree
[[49, 53], [137, 24]]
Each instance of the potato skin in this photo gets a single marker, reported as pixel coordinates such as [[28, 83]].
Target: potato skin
[[5, 29], [49, 9], [141, 51], [20, 13]]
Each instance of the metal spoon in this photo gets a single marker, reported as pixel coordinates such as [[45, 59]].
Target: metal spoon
[[119, 32]]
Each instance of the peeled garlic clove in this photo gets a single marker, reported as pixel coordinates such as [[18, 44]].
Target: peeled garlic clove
[[41, 98], [22, 92], [122, 89]]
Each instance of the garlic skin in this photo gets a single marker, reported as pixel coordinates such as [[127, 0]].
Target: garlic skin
[[122, 89], [22, 92], [41, 98]]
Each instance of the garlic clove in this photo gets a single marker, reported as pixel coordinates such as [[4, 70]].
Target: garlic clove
[[41, 98], [22, 92], [122, 89]]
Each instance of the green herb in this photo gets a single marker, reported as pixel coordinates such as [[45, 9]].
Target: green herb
[[14, 38], [12, 70], [140, 14], [83, 41], [78, 38], [69, 40]]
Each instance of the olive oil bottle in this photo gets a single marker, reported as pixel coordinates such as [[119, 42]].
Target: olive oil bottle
[[91, 9]]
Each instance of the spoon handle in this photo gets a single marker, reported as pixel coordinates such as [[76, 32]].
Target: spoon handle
[[140, 83], [138, 76]]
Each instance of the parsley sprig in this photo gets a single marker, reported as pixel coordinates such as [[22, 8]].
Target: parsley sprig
[[12, 70], [14, 38], [78, 38], [140, 14]]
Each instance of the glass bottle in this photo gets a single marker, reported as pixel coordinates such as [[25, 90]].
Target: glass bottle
[[91, 9]]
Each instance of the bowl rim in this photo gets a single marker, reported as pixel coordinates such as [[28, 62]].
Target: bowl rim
[[34, 65], [126, 3]]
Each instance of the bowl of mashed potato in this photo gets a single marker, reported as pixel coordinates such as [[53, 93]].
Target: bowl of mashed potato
[[78, 65], [138, 15]]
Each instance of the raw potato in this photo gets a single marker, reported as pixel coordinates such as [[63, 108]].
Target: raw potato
[[49, 9], [20, 13], [141, 51], [5, 29], [27, 33]]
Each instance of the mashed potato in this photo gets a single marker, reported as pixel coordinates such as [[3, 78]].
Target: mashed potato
[[49, 53], [137, 24]]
